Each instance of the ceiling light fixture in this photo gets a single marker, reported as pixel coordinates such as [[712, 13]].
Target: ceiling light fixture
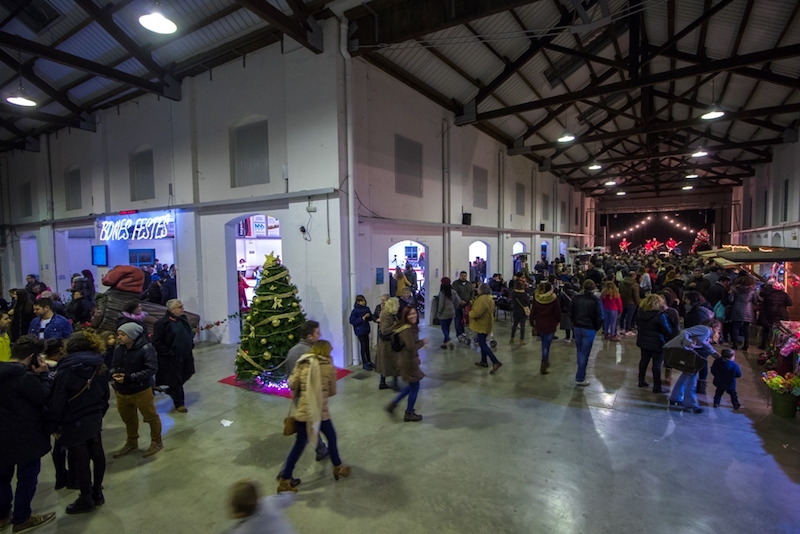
[[155, 20], [699, 153], [620, 193], [566, 137], [20, 97], [595, 166], [687, 187], [714, 112], [690, 176], [611, 182]]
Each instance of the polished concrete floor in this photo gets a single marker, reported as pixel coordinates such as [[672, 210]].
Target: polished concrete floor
[[512, 453]]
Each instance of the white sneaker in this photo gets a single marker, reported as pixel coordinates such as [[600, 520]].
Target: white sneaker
[[584, 383]]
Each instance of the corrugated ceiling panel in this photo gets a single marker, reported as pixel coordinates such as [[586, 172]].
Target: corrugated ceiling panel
[[503, 34], [466, 51], [92, 89], [515, 91], [132, 66], [722, 29], [765, 25], [56, 74], [511, 126], [768, 95], [72, 16], [95, 44], [213, 35], [686, 12], [539, 16], [420, 63]]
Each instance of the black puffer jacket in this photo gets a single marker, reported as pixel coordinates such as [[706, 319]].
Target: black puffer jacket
[[23, 395], [773, 308], [654, 330], [139, 364], [81, 418], [586, 312]]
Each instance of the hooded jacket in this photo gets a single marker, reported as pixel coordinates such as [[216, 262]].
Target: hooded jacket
[[697, 314], [744, 299], [80, 418], [298, 381], [629, 292], [361, 325], [725, 373], [654, 330], [23, 395], [481, 316], [546, 313], [448, 306], [80, 310], [774, 305], [139, 364]]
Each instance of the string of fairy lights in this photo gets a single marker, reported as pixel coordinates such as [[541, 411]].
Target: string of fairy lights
[[674, 222]]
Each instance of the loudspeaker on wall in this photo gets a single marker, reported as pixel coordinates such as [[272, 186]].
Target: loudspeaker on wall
[[466, 219]]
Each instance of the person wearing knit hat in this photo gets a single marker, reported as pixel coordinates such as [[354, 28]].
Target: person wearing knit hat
[[133, 366], [449, 302]]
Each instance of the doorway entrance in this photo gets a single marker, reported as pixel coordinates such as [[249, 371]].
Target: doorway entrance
[[415, 254], [479, 261]]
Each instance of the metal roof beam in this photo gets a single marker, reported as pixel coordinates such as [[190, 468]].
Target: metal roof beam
[[311, 39], [75, 62], [30, 142], [745, 164], [663, 127], [28, 113], [646, 81], [699, 105], [381, 22], [583, 55], [172, 88]]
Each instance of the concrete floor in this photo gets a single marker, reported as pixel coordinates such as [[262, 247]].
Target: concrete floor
[[513, 453]]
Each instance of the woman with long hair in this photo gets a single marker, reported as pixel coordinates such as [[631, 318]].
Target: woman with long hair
[[520, 311], [91, 289], [612, 307], [313, 381], [401, 281], [448, 304], [545, 316], [407, 330], [386, 361], [76, 409], [655, 329], [21, 314]]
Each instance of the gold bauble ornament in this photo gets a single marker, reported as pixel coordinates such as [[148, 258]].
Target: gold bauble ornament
[[247, 319], [264, 341], [257, 300], [294, 304], [276, 323], [291, 336]]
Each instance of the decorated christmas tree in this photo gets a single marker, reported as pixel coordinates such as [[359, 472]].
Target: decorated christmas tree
[[271, 328]]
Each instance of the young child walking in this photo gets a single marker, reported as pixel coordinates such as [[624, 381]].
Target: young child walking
[[258, 514], [725, 372]]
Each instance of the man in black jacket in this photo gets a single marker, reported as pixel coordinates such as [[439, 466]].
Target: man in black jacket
[[173, 340], [466, 293], [24, 390], [132, 369], [587, 318]]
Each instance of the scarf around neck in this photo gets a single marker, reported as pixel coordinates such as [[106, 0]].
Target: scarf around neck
[[545, 298]]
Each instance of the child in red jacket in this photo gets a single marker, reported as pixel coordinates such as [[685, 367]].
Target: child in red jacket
[[612, 307]]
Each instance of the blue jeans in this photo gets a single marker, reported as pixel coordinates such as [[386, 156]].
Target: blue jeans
[[485, 350], [326, 428], [547, 340], [626, 320], [584, 339], [459, 322], [27, 478], [445, 324], [687, 382], [610, 322], [412, 390]]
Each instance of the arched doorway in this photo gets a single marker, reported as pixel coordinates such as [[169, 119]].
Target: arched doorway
[[520, 257], [28, 256], [777, 239], [479, 261], [543, 251], [413, 254]]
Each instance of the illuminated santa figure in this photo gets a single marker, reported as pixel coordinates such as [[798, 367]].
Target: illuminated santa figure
[[624, 244], [701, 242]]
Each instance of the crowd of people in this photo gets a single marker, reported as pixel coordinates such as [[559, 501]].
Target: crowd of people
[[56, 373]]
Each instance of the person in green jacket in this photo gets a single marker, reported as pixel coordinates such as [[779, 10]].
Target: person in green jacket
[[481, 318]]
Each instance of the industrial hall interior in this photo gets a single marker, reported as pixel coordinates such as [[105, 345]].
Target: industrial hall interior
[[390, 266]]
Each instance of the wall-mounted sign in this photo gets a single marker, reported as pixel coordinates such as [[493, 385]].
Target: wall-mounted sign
[[259, 225], [136, 229]]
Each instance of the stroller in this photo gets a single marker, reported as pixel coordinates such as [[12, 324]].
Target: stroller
[[469, 337]]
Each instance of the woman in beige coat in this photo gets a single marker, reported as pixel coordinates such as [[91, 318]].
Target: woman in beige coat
[[313, 380], [481, 321], [386, 361]]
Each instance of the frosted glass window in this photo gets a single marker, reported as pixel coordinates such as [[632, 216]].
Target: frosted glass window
[[407, 167], [143, 181], [250, 155], [480, 187]]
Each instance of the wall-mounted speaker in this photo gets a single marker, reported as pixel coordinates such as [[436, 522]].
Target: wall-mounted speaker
[[541, 227], [466, 219]]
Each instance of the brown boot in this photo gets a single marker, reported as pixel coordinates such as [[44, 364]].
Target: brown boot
[[154, 449], [543, 369], [341, 471], [285, 484]]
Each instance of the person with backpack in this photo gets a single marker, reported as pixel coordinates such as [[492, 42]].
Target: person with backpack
[[76, 409]]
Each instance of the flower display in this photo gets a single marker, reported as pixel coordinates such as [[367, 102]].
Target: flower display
[[788, 383]]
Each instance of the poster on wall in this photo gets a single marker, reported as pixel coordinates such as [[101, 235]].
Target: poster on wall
[[273, 227], [259, 225]]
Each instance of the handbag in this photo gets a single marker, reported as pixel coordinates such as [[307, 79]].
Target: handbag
[[685, 360], [527, 311], [289, 421]]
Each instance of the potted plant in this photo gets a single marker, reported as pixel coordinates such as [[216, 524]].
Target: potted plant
[[785, 391]]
